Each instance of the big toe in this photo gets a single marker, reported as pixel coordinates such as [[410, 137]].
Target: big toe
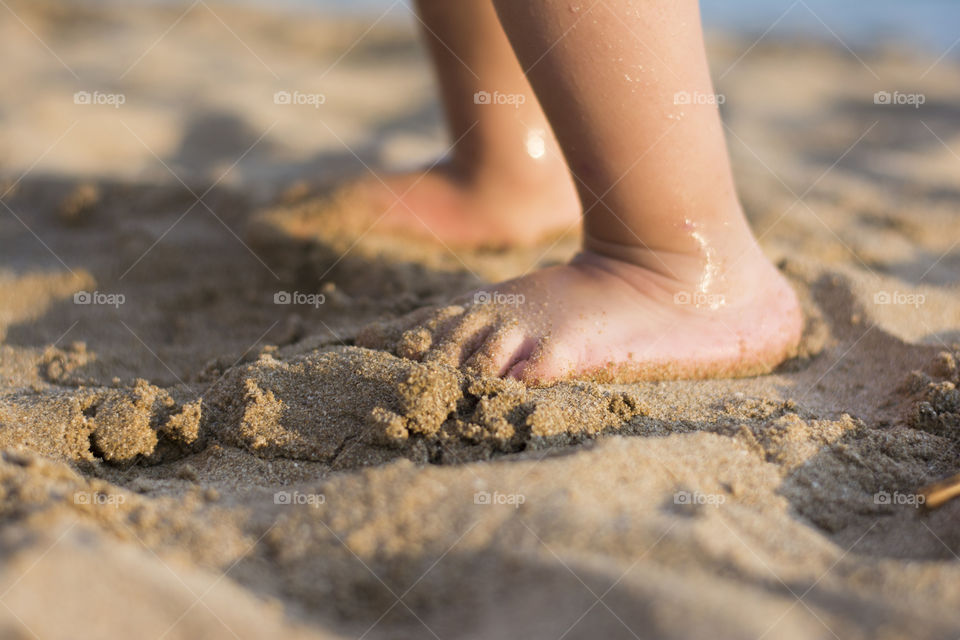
[[461, 339], [548, 363], [502, 349]]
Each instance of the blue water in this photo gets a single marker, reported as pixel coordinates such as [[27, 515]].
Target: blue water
[[929, 24]]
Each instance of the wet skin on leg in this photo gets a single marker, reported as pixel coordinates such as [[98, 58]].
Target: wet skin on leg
[[505, 182]]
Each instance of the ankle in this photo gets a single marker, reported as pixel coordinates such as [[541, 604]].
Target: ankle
[[517, 176], [729, 270], [695, 250]]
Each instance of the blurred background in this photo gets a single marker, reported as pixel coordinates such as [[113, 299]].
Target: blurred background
[[926, 22], [183, 94], [198, 78]]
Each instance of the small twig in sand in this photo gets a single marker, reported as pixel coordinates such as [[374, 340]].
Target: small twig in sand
[[939, 493]]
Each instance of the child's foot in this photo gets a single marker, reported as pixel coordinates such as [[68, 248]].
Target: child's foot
[[440, 206], [610, 320]]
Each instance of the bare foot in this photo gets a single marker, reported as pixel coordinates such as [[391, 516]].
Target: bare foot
[[609, 320], [440, 206]]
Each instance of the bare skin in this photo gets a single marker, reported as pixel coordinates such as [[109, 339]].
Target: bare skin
[[670, 282], [505, 182], [603, 319]]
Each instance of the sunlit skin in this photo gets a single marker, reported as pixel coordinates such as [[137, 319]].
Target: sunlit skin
[[504, 181], [670, 282]]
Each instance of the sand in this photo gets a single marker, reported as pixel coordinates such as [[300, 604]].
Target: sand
[[198, 461]]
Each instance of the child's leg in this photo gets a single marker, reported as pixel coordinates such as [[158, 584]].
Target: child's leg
[[506, 181], [671, 282]]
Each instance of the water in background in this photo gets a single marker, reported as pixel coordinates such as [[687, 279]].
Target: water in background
[[931, 24]]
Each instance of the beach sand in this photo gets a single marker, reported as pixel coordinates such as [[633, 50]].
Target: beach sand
[[195, 460]]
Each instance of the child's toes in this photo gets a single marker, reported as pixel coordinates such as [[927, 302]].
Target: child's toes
[[461, 339], [549, 362], [503, 348], [424, 337]]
